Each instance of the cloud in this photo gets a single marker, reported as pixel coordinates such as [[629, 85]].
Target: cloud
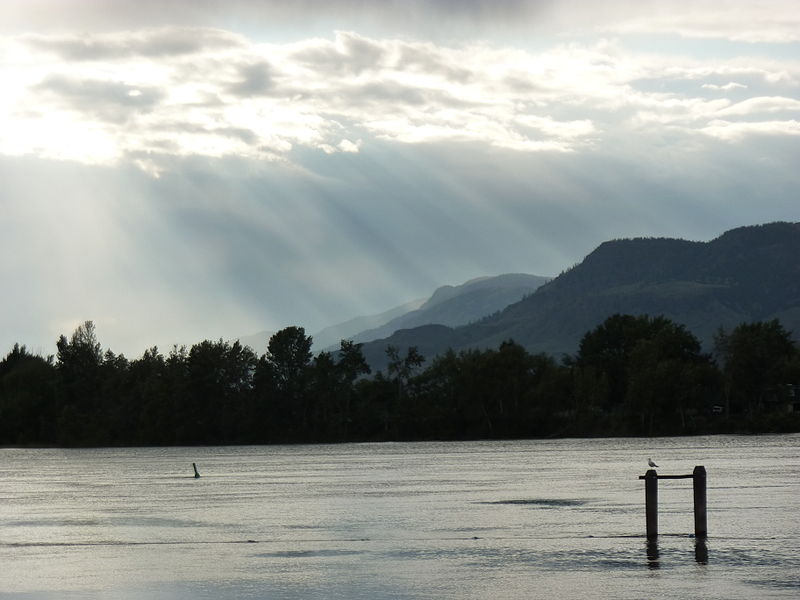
[[770, 21], [736, 130], [158, 43], [313, 93], [148, 95], [255, 80], [348, 54], [732, 85], [408, 15], [196, 169], [108, 100], [762, 105]]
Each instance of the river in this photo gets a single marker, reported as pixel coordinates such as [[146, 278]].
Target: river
[[435, 520]]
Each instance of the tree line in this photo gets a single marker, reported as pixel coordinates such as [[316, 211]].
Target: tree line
[[631, 375]]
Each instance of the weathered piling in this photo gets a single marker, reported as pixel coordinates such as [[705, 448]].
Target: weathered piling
[[651, 502], [700, 521]]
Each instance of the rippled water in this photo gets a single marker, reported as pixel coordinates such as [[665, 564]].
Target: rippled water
[[521, 519]]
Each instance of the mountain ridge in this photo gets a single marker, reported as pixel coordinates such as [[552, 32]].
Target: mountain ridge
[[450, 305], [745, 274], [332, 335], [461, 304]]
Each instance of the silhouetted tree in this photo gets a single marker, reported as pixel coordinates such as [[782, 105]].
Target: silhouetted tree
[[756, 361], [220, 377], [28, 398], [400, 370], [335, 387], [78, 361], [151, 417], [606, 350], [285, 370], [632, 375], [668, 376]]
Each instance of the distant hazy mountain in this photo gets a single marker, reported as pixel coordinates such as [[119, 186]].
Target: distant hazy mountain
[[461, 304], [746, 274], [449, 305], [331, 336]]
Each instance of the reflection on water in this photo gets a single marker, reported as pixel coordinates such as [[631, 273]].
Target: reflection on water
[[555, 518], [543, 502], [701, 551], [652, 553]]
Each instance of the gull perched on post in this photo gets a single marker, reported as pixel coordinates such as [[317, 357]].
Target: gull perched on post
[[651, 463]]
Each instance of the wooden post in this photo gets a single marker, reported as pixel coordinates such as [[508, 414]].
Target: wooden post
[[651, 502], [698, 477], [700, 524]]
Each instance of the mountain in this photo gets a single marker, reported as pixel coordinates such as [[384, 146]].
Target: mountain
[[461, 304], [450, 305], [331, 336], [746, 274]]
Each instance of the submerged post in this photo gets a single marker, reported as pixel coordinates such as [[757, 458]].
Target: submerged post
[[651, 502], [700, 524]]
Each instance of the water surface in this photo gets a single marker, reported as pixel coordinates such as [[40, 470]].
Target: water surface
[[520, 519]]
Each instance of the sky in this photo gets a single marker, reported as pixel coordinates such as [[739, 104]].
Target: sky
[[196, 169]]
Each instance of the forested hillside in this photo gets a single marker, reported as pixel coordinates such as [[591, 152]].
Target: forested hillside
[[746, 274]]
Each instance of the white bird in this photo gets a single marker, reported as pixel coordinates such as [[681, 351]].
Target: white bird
[[651, 463]]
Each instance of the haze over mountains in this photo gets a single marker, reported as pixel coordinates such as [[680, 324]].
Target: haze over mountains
[[331, 336], [746, 274], [451, 305]]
